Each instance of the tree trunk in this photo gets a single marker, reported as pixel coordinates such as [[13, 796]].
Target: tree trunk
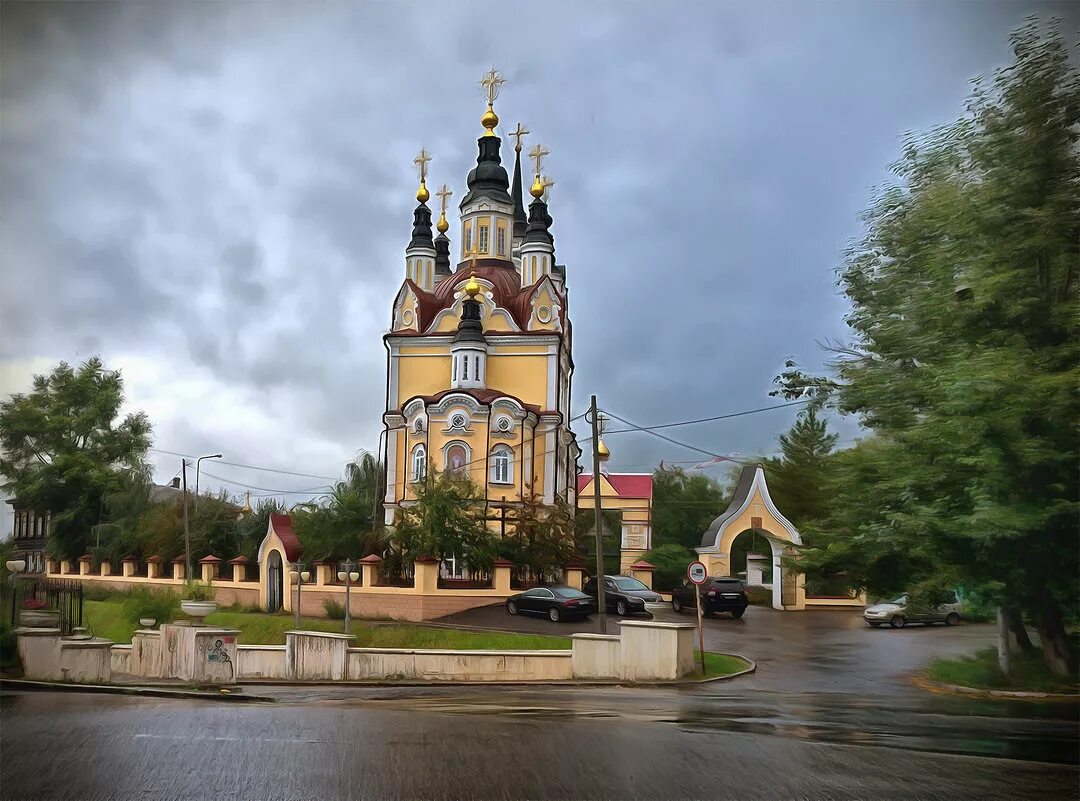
[[1020, 640], [1055, 646]]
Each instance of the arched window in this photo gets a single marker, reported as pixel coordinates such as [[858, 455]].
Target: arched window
[[501, 461], [419, 463], [456, 456]]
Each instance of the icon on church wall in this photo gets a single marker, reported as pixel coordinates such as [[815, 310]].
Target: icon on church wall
[[456, 459]]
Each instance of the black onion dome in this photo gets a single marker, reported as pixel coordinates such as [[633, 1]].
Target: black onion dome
[[488, 178], [539, 220], [421, 230], [470, 329]]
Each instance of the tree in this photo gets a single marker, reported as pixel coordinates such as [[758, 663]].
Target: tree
[[683, 506], [965, 356], [63, 444], [542, 536], [346, 522], [797, 479], [447, 520], [671, 561]]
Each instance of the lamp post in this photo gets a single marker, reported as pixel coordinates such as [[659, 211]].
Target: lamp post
[[348, 575], [299, 577], [198, 463]]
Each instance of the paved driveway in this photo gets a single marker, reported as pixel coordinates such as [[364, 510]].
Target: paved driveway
[[813, 651]]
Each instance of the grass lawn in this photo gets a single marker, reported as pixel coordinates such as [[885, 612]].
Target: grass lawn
[[106, 618], [717, 665], [1029, 673]]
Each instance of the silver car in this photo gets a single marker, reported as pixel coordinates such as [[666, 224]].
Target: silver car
[[903, 610]]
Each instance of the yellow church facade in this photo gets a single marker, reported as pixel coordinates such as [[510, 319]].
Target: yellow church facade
[[479, 351]]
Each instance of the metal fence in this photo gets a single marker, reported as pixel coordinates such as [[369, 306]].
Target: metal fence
[[63, 595]]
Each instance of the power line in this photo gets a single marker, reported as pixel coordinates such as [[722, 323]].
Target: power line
[[635, 427], [266, 489], [248, 466], [705, 419]]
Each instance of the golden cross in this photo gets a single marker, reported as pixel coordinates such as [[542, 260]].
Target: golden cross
[[491, 83], [421, 161], [548, 183], [537, 154], [443, 194], [517, 133]]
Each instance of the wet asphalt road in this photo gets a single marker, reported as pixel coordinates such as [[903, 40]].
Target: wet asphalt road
[[829, 714]]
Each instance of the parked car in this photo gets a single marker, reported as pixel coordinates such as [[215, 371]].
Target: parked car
[[624, 595], [718, 594], [904, 609], [557, 601]]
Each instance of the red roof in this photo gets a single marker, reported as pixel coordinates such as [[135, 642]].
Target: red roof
[[485, 396], [629, 485], [282, 525], [506, 291]]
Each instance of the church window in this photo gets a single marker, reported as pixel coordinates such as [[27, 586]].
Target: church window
[[468, 238], [457, 421], [533, 273], [419, 463], [465, 368], [483, 238], [457, 458], [500, 465], [500, 240], [455, 371]]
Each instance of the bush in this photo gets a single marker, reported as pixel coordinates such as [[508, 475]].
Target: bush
[[333, 609], [9, 654], [96, 592], [198, 591], [671, 562], [143, 602]]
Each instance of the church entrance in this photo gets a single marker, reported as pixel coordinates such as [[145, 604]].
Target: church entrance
[[751, 539], [275, 582]]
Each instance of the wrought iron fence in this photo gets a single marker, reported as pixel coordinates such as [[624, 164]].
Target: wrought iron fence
[[466, 580], [62, 595]]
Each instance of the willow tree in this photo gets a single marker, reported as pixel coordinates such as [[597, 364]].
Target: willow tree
[[966, 349]]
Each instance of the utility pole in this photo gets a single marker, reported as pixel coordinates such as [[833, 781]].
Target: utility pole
[[187, 534], [601, 602]]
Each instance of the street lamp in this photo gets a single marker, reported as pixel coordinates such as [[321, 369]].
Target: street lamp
[[299, 577], [348, 575], [198, 463]]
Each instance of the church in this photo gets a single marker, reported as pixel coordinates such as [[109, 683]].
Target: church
[[479, 349]]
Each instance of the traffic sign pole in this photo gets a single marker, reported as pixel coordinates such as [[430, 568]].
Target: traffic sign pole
[[697, 574]]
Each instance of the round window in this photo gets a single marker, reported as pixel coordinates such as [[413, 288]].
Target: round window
[[543, 314], [419, 424], [457, 421], [504, 424], [407, 317]]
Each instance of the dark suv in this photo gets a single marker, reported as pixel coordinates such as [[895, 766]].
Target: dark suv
[[719, 593]]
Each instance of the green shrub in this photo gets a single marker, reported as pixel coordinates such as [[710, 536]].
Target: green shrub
[[198, 591], [9, 654], [143, 602], [671, 562], [333, 609], [97, 592]]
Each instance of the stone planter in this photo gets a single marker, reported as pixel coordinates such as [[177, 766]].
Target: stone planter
[[197, 610], [147, 622], [39, 618]]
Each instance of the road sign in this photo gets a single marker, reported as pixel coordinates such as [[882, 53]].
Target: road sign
[[697, 572]]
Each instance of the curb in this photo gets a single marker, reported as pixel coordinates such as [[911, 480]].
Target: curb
[[924, 683], [120, 689], [751, 669]]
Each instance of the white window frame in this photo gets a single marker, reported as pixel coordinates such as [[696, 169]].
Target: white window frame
[[483, 237], [502, 465], [419, 463]]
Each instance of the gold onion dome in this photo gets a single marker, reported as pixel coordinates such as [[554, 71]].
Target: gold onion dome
[[489, 121], [442, 226], [422, 194], [537, 188], [472, 289], [602, 451]]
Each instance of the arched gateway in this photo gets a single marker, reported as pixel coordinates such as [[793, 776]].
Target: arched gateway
[[751, 509]]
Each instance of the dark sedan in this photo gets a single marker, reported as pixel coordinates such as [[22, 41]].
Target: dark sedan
[[624, 595], [719, 593], [557, 601]]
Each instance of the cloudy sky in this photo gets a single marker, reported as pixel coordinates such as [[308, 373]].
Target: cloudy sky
[[215, 197]]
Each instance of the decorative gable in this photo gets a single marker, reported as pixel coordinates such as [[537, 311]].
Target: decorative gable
[[545, 307]]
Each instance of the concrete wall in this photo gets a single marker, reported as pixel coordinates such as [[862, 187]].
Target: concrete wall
[[261, 662], [46, 656], [121, 659], [440, 665], [652, 651], [316, 656], [597, 656]]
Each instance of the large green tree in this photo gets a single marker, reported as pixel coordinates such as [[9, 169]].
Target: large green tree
[[965, 359], [347, 521], [63, 445], [798, 477], [684, 505], [447, 520]]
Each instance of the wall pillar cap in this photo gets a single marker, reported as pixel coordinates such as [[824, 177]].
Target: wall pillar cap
[[209, 560], [239, 560], [641, 564], [86, 558], [155, 559], [426, 560], [130, 558], [371, 559], [500, 562]]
